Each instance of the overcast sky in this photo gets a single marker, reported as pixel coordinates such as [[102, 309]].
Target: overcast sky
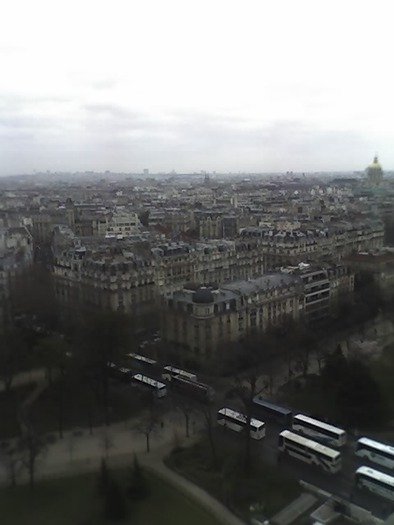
[[246, 85]]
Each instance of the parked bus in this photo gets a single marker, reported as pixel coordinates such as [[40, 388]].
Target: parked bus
[[321, 431], [267, 410], [158, 389], [376, 452], [169, 372], [118, 372], [199, 391], [376, 482], [141, 362], [310, 451], [236, 421]]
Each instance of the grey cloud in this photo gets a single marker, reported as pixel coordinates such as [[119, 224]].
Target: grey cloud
[[10, 49], [104, 84], [110, 136], [111, 111], [16, 102]]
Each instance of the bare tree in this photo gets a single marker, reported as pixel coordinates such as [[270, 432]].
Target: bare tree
[[246, 389], [32, 295], [208, 413], [70, 445], [101, 337], [148, 424], [12, 461], [107, 443], [57, 359], [258, 350], [187, 408], [31, 447], [320, 355], [12, 350], [287, 343]]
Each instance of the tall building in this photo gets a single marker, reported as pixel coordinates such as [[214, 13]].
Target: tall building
[[375, 172], [199, 320]]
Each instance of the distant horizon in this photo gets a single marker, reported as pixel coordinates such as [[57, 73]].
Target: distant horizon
[[200, 173], [254, 87]]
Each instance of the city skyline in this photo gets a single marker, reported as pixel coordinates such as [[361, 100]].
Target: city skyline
[[211, 86]]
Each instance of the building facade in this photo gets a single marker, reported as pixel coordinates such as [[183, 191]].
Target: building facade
[[292, 247], [16, 254], [323, 287], [375, 172], [200, 320]]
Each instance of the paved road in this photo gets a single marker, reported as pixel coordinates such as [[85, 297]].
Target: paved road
[[81, 451], [341, 484]]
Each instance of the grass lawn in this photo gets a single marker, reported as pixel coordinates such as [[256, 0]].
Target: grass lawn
[[75, 501], [227, 481]]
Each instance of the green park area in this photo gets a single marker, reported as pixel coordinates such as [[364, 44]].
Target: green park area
[[76, 501], [226, 478], [361, 392]]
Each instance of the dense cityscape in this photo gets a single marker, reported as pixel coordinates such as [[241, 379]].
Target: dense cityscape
[[230, 332]]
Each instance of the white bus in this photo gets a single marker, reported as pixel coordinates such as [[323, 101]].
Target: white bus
[[310, 451], [170, 371], [159, 389], [321, 431], [375, 481], [141, 360], [376, 452], [233, 420], [118, 372], [199, 391]]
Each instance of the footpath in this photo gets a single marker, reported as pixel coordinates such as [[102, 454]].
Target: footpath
[[80, 452], [24, 378]]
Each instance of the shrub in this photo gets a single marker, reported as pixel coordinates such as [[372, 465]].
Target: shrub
[[138, 489], [115, 507]]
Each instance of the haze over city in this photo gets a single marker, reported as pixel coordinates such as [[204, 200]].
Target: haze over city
[[196, 263], [227, 86]]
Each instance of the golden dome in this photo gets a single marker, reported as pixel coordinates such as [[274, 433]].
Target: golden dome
[[375, 164]]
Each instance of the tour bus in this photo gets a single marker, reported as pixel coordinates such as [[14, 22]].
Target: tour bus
[[118, 372], [158, 389], [233, 420], [310, 451], [267, 410], [199, 391], [376, 482], [169, 372], [376, 452], [140, 361], [317, 429]]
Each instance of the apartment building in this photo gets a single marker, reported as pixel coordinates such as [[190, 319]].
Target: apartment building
[[176, 220], [380, 264], [200, 320], [123, 223], [209, 224], [113, 279], [16, 254], [171, 266], [323, 287], [291, 247]]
